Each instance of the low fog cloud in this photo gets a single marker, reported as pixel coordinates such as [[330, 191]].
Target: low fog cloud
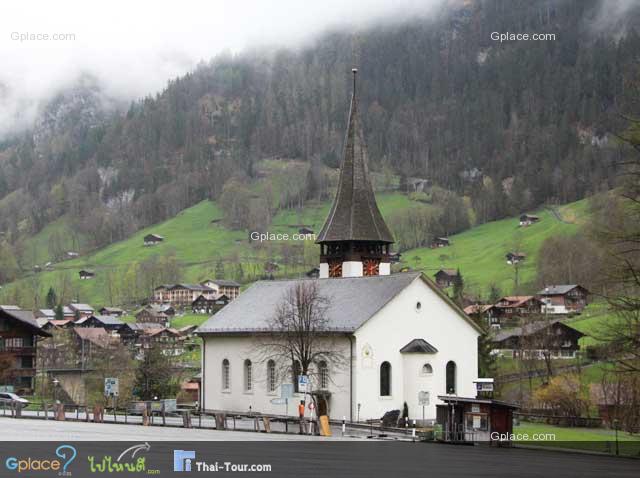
[[134, 47]]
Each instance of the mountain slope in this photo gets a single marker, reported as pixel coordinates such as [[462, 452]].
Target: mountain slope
[[479, 253]]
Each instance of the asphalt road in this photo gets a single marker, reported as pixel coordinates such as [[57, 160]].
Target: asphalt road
[[293, 455]]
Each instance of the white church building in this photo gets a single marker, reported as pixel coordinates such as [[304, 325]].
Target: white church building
[[398, 336]]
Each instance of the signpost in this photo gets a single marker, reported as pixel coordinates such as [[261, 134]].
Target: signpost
[[423, 399], [112, 389], [303, 383]]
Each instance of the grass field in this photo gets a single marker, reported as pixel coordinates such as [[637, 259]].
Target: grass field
[[588, 439], [196, 242], [479, 253], [199, 245]]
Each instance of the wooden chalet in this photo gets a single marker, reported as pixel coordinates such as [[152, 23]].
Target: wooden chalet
[[107, 322], [564, 299], [440, 242], [19, 334], [485, 312], [57, 324], [512, 306], [152, 239], [112, 311], [154, 313], [81, 311], [515, 257], [528, 220], [86, 274], [536, 339], [202, 305], [446, 277]]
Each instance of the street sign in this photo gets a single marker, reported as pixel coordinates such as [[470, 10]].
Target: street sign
[[279, 401], [303, 383], [286, 390], [423, 398], [111, 387]]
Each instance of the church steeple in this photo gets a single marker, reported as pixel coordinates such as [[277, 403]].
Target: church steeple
[[355, 239]]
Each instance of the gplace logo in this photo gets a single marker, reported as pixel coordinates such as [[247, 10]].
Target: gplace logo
[[182, 460], [66, 453]]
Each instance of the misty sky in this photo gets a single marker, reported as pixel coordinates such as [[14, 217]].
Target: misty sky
[[133, 47]]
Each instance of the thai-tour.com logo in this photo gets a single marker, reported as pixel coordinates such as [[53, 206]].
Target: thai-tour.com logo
[[130, 460], [64, 456], [184, 460]]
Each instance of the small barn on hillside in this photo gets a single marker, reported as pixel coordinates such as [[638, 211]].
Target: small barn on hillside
[[152, 239], [446, 277]]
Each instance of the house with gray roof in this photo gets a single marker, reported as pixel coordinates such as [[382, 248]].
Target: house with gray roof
[[563, 299]]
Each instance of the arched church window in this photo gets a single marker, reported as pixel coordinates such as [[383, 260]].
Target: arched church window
[[427, 369], [271, 376], [323, 372], [226, 375], [248, 376], [385, 379], [451, 377]]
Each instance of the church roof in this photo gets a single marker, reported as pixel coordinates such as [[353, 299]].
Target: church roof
[[354, 215], [351, 302], [419, 346]]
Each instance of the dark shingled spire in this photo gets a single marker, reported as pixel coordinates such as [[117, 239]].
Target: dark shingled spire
[[354, 215]]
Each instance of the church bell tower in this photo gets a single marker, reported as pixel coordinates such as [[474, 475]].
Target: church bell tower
[[354, 240]]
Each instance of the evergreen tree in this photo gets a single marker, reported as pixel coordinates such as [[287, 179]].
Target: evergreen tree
[[52, 299], [59, 312], [458, 289]]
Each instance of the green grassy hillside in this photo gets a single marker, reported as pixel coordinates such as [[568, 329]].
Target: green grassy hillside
[[200, 244], [479, 253], [197, 243]]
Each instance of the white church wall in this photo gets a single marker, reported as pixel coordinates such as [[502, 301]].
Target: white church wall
[[352, 269], [400, 321], [236, 398]]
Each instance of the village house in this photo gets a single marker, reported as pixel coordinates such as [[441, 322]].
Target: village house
[[528, 220], [19, 334], [512, 306], [563, 299], [398, 334], [440, 242], [50, 324], [168, 339], [229, 288], [515, 257], [113, 311], [202, 305], [446, 277], [181, 295], [486, 312], [535, 339], [107, 322], [45, 314], [81, 311], [152, 239], [155, 313]]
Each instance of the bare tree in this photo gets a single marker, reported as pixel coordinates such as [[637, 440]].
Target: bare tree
[[300, 336]]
